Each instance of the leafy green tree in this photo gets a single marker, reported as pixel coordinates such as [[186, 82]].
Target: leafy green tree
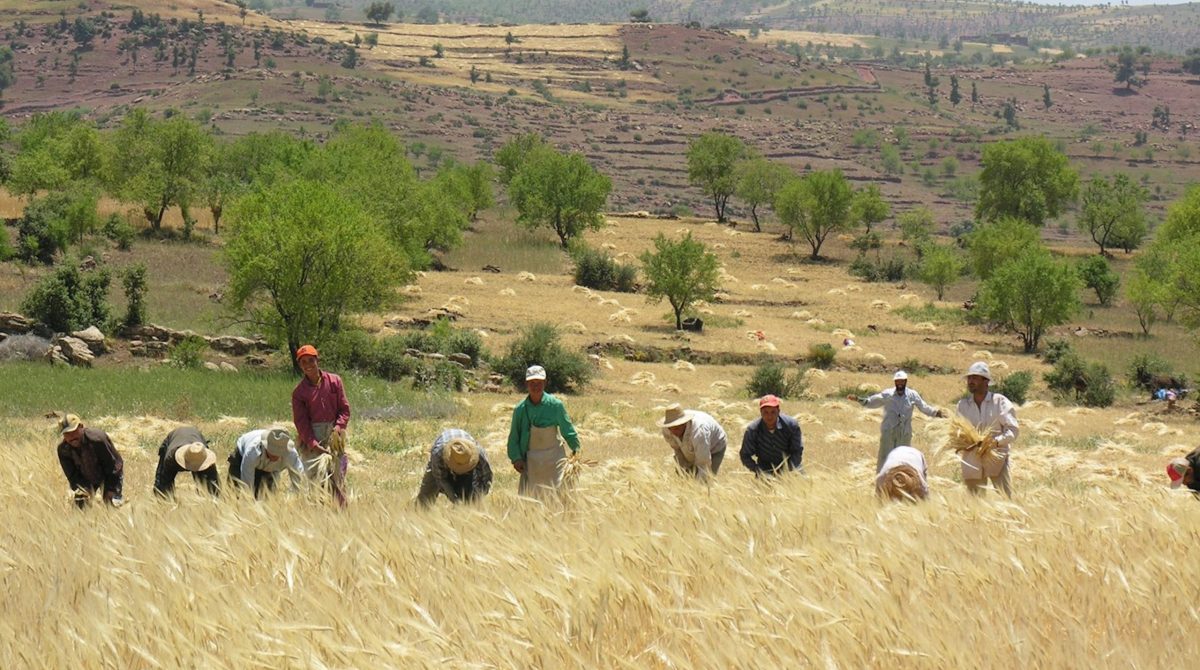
[[814, 207], [993, 244], [916, 228], [1030, 294], [1183, 219], [940, 267], [758, 180], [220, 185], [955, 95], [869, 207], [1146, 296], [559, 191], [682, 271], [1125, 69], [157, 164], [53, 151], [302, 256], [1098, 275], [711, 159], [379, 12], [133, 280], [512, 155], [8, 76], [1027, 178], [893, 164], [470, 185], [1046, 101], [1111, 212], [974, 95]]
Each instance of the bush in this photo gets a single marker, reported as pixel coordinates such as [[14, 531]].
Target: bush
[[443, 338], [1015, 387], [133, 279], [538, 344], [188, 353], [6, 250], [42, 231], [1150, 372], [69, 300], [598, 270], [890, 269], [771, 378], [821, 355], [389, 359], [1099, 276], [1056, 349], [1086, 382], [119, 232]]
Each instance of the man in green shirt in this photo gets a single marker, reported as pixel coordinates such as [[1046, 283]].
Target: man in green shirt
[[535, 438]]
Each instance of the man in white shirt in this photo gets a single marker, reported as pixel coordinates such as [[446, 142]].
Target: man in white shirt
[[260, 455], [898, 404], [995, 415], [696, 438], [904, 475]]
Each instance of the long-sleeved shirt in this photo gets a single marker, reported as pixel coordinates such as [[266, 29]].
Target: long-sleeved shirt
[[995, 413], [168, 468], [898, 408], [768, 452], [549, 412], [702, 437], [320, 403], [905, 456], [93, 464], [439, 478], [252, 447]]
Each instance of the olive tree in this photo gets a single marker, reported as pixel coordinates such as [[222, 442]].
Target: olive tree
[[682, 271]]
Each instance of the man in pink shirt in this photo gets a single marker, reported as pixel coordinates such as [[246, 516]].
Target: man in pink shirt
[[320, 411]]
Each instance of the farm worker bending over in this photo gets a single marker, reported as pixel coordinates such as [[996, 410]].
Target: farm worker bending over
[[260, 456], [772, 442], [696, 438], [903, 476], [897, 404], [90, 461], [1183, 470], [320, 411], [185, 449], [458, 467], [994, 414], [534, 444]]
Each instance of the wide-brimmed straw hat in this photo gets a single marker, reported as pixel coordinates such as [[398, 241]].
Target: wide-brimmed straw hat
[[675, 415], [68, 424], [1176, 469], [979, 369], [460, 455], [195, 457], [901, 483], [278, 441]]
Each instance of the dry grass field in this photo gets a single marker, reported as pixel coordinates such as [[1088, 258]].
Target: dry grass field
[[1086, 566]]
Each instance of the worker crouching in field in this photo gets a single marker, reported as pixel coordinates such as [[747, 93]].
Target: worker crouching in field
[[260, 456], [697, 440], [903, 475], [321, 413], [534, 444], [90, 462], [185, 449], [772, 443], [994, 414], [898, 404], [458, 468], [1182, 471]]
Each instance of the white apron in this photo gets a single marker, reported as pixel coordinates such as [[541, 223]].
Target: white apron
[[543, 462]]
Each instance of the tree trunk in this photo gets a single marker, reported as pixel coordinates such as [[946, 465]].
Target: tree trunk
[[678, 317], [216, 214], [754, 215]]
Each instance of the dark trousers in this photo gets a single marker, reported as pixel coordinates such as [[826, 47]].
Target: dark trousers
[[262, 479]]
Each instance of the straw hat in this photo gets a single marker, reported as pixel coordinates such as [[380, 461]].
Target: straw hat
[[675, 415], [460, 455], [278, 442], [901, 483], [68, 424], [195, 457]]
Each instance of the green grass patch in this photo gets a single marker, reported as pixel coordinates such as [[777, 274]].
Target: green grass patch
[[948, 316], [499, 241], [35, 389]]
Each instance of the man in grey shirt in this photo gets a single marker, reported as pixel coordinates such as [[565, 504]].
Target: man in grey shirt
[[260, 456], [772, 443], [897, 403]]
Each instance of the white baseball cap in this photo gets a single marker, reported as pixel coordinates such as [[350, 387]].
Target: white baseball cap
[[979, 369], [900, 375], [535, 372]]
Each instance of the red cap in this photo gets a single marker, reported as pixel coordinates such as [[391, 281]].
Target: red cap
[[768, 401], [306, 350]]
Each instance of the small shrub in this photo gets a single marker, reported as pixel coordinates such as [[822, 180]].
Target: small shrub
[[1056, 349], [188, 353], [890, 269], [538, 344], [6, 250], [1015, 387], [771, 377], [1150, 372], [821, 355], [69, 300], [133, 279], [1098, 275], [1086, 382], [119, 232], [42, 232], [596, 269]]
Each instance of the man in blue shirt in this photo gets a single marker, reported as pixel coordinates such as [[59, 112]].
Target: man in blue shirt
[[772, 443]]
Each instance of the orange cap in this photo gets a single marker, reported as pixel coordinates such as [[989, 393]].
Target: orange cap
[[306, 350]]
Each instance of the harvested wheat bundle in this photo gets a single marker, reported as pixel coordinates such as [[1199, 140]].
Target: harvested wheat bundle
[[721, 385], [574, 327], [853, 288], [802, 314], [743, 314], [875, 358], [609, 245], [908, 296], [881, 304], [670, 388], [836, 291], [963, 436], [527, 276], [411, 290], [901, 483], [474, 281], [956, 346], [684, 365], [759, 287], [581, 289], [815, 322], [507, 292], [926, 327], [983, 353], [643, 378]]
